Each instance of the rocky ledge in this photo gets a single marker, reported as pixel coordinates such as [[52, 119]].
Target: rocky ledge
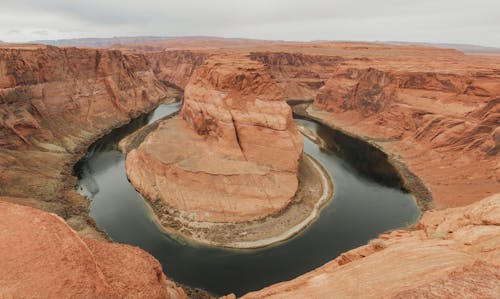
[[453, 253], [42, 257], [229, 170]]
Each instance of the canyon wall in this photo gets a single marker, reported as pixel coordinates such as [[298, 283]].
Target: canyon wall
[[443, 125], [175, 66], [54, 102], [299, 75]]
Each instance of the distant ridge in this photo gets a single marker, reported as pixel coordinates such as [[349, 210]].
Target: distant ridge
[[137, 40], [102, 42], [466, 48]]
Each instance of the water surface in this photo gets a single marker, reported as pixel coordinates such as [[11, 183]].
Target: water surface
[[363, 207]]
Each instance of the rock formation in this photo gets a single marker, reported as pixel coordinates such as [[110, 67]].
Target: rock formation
[[54, 102], [233, 153], [231, 156], [453, 253], [299, 75], [43, 257], [443, 125], [176, 66]]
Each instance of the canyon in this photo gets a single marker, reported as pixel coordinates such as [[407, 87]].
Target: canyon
[[434, 112]]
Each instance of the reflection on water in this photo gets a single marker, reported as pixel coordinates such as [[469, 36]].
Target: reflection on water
[[361, 209]]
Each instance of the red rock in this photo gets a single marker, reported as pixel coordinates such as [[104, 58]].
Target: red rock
[[233, 153], [420, 263], [434, 122], [176, 66], [54, 102], [43, 257]]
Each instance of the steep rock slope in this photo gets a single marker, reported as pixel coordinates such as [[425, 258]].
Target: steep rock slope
[[43, 258], [453, 253], [299, 75], [233, 153], [176, 66], [443, 125], [53, 103]]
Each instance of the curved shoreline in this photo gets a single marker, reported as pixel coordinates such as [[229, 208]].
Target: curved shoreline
[[418, 190], [185, 231], [328, 193]]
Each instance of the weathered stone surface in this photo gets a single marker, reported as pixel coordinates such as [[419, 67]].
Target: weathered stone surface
[[454, 253], [54, 102], [299, 75], [42, 257], [176, 66], [231, 156], [443, 126]]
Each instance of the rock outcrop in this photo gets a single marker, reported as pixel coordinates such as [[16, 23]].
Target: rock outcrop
[[443, 125], [176, 66], [233, 153], [453, 253], [299, 75], [231, 156], [54, 102], [42, 257]]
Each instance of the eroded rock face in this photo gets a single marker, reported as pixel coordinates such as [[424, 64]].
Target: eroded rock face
[[299, 75], [54, 102], [231, 156], [43, 257], [176, 66], [442, 125], [453, 253]]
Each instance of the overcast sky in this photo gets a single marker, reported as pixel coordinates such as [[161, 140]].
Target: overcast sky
[[447, 21]]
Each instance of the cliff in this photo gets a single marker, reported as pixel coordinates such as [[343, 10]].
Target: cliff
[[453, 253], [54, 102], [299, 75], [175, 66], [42, 257], [442, 125]]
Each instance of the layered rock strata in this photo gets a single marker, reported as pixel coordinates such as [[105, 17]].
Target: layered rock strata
[[176, 66], [299, 75], [444, 127], [231, 156], [54, 102]]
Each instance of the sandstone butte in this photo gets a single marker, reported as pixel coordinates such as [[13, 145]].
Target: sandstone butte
[[434, 110], [232, 155]]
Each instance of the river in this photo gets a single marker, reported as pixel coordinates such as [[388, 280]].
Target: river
[[363, 206]]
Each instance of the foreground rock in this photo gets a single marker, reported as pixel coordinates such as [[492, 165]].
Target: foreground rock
[[43, 258], [454, 253], [231, 156], [54, 102]]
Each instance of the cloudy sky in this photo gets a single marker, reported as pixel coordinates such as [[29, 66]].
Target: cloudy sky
[[447, 21]]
